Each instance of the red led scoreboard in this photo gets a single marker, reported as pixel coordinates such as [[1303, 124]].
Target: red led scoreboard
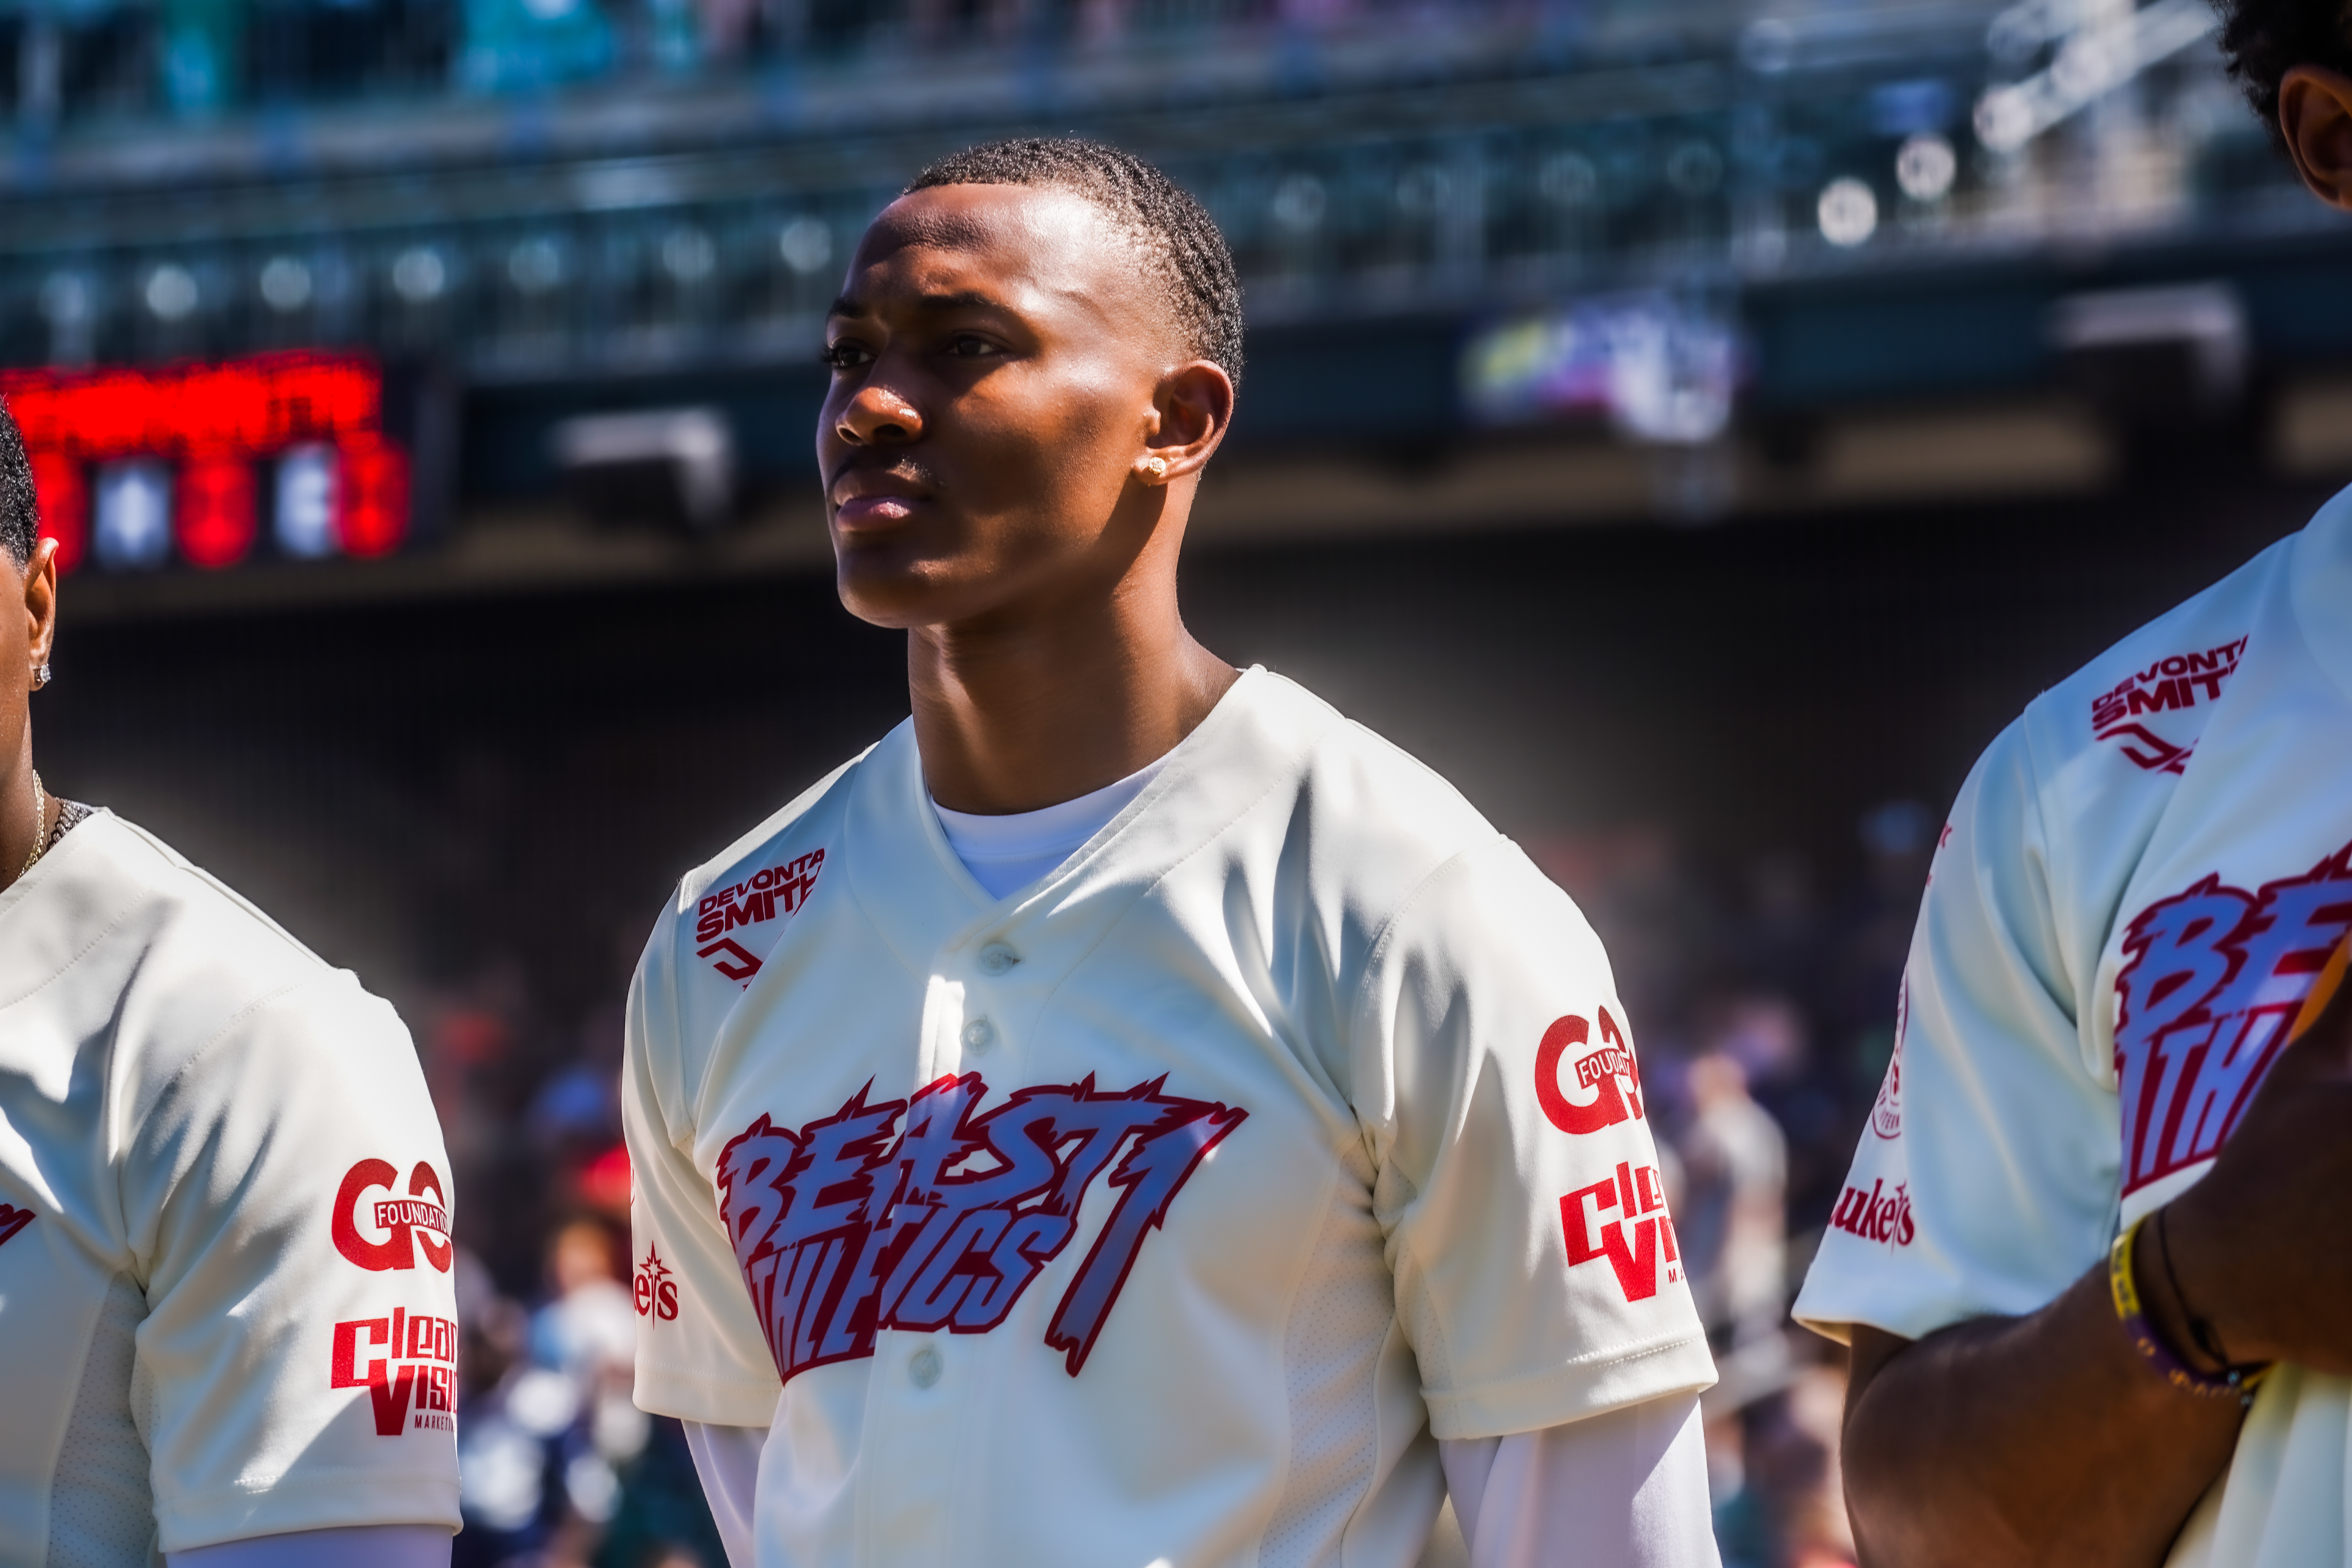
[[137, 466]]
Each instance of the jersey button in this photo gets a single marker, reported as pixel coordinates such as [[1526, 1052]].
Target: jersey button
[[996, 958], [924, 1367], [979, 1035]]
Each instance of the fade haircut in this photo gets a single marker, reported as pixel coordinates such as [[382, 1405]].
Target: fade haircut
[[1179, 241], [2262, 40], [19, 518]]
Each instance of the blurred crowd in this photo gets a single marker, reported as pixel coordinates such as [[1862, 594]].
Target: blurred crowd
[[558, 1468], [196, 59], [1762, 1001]]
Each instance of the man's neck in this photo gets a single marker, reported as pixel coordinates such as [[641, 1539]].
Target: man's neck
[[1020, 719], [18, 832]]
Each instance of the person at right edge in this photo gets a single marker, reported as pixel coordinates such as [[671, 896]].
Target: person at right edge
[[2094, 1257]]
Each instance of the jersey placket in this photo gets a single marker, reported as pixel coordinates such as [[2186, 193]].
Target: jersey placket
[[923, 1401]]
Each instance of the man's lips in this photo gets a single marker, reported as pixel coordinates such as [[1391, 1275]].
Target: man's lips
[[872, 511], [872, 497]]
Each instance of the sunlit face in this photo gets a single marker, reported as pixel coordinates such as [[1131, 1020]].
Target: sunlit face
[[995, 354]]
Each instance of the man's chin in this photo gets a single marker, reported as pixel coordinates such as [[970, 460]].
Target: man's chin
[[883, 590]]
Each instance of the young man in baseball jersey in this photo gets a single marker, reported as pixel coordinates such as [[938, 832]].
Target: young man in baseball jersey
[[1131, 1114], [2094, 1257], [227, 1323]]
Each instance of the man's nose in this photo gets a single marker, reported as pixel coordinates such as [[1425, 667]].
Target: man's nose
[[878, 415]]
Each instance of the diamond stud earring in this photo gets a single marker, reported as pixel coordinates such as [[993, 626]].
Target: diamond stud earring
[[1155, 469], [41, 676]]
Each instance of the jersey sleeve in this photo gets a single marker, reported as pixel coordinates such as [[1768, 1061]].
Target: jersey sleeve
[[1536, 1268], [287, 1196], [700, 1353], [1986, 1180]]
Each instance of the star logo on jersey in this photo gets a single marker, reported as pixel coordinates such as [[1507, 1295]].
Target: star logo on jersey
[[2213, 978], [655, 1290], [927, 1214], [385, 1233], [12, 1220], [761, 897]]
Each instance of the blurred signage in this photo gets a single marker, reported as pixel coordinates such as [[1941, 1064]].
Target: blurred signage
[[1658, 368], [201, 463]]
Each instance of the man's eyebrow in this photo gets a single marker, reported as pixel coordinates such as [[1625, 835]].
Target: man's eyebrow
[[960, 299]]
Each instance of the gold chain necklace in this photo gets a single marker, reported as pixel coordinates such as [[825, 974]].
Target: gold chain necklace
[[40, 821]]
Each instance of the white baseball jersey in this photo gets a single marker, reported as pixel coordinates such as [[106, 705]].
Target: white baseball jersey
[[2137, 887], [226, 1304], [1164, 1210]]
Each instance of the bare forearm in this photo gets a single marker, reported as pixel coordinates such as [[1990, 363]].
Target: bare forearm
[[2044, 1439]]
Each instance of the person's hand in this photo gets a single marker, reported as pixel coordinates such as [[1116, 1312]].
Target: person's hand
[[2263, 1246]]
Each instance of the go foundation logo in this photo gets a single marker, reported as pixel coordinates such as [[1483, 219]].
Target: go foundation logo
[[387, 1233], [1608, 1082]]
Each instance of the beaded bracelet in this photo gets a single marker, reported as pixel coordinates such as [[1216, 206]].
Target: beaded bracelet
[[2230, 1383]]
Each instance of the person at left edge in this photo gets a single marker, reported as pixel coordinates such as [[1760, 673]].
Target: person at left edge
[[228, 1321]]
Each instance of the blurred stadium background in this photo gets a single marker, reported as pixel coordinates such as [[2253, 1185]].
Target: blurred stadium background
[[1693, 425]]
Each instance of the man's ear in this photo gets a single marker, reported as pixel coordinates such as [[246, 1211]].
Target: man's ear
[[1194, 403], [2316, 114], [41, 599]]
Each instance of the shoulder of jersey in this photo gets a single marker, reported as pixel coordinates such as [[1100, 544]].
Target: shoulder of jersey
[[2142, 704], [210, 950], [808, 822], [1370, 799]]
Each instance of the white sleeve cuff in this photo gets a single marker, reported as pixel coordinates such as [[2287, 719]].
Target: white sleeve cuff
[[727, 1459], [1629, 1487]]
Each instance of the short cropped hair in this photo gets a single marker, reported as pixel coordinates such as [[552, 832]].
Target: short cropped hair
[[1179, 238], [2262, 40], [19, 517]]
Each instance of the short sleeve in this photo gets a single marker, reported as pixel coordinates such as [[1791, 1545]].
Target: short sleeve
[[1986, 1180], [1535, 1266], [287, 1196], [700, 1353]]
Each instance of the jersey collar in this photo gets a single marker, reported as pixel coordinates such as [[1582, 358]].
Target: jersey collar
[[909, 882]]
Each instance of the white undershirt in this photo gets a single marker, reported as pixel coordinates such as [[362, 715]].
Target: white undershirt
[[1007, 853]]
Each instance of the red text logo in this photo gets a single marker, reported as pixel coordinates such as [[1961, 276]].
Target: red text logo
[[843, 1229], [2169, 685], [752, 901], [385, 1233], [1609, 1074], [409, 1358], [1638, 1243], [2214, 977], [656, 1293], [12, 1220], [1877, 1215]]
